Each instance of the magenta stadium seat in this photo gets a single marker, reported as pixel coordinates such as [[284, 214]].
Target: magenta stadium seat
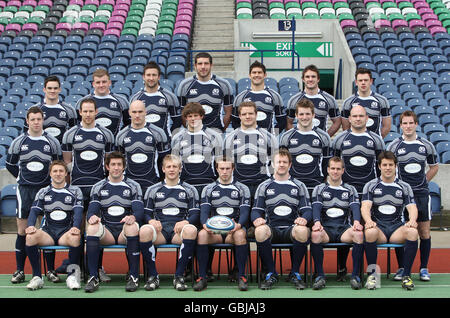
[[13, 27], [117, 18], [435, 30], [185, 5], [348, 23], [182, 31], [121, 6], [120, 13], [15, 3], [31, 27], [183, 24], [97, 25], [187, 1], [115, 32], [111, 2], [80, 25], [32, 3], [416, 23], [2, 4], [128, 2], [115, 25], [429, 16], [94, 2], [2, 28], [184, 17], [79, 2], [45, 3], [383, 23], [399, 23], [64, 26], [424, 10], [433, 23]]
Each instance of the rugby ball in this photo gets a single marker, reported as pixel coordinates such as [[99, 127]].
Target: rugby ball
[[220, 224]]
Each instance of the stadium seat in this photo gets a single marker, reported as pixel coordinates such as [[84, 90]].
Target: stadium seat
[[8, 201]]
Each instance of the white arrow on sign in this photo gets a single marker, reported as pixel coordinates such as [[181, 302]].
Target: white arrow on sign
[[325, 49]]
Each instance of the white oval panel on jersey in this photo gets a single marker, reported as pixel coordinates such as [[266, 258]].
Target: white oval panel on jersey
[[282, 210], [58, 215], [316, 122], [249, 159], [152, 118], [224, 211], [208, 109], [195, 158], [116, 210], [335, 212], [413, 168], [261, 116], [88, 155], [170, 211], [387, 209], [35, 166], [54, 131], [370, 122], [358, 161], [105, 122], [304, 159], [139, 157]]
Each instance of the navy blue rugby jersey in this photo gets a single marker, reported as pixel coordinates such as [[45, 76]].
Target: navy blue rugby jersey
[[231, 200], [413, 157]]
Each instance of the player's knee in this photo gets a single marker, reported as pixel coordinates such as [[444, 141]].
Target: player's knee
[[189, 232], [412, 234], [202, 237], [131, 229], [31, 239], [74, 240], [96, 230], [147, 233], [316, 237], [262, 233], [300, 233], [371, 235], [358, 237], [240, 237]]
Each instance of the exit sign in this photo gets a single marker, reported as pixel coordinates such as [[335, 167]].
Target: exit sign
[[303, 49]]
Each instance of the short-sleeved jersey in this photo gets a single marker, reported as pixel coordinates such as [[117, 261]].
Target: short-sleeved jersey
[[281, 202], [413, 157], [159, 106], [59, 206], [57, 118], [268, 104], [142, 148], [88, 147], [29, 158], [376, 106], [360, 153], [251, 150], [231, 200], [213, 95], [112, 201], [172, 204], [310, 153], [333, 205], [197, 151], [112, 111], [388, 199], [324, 106]]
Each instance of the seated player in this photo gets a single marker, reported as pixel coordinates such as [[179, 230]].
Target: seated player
[[62, 207], [115, 209], [384, 200], [171, 215], [333, 203], [280, 215], [232, 199]]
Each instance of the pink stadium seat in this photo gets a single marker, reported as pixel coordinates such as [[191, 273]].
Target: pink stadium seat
[[183, 24], [429, 16], [184, 17], [334, 1], [433, 23], [421, 5], [384, 23], [94, 2], [423, 11], [81, 25], [319, 1], [120, 13], [112, 32], [238, 1], [45, 3], [31, 27], [111, 2], [186, 1], [2, 4], [416, 23], [117, 18], [182, 31], [347, 23], [32, 3], [64, 26], [79, 2], [15, 3], [2, 28], [97, 25], [399, 23], [185, 5], [114, 25], [121, 7], [127, 2], [13, 27], [435, 30]]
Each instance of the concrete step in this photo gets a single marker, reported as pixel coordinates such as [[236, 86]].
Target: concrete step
[[213, 33]]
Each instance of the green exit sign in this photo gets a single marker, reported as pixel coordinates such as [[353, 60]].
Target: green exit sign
[[303, 49]]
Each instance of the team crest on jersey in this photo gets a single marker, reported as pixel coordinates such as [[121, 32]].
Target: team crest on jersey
[[215, 194], [160, 195], [206, 142], [46, 148], [99, 137], [161, 101], [193, 91], [421, 149], [374, 104], [24, 148], [294, 191], [234, 194], [344, 195], [215, 92], [293, 141], [78, 138], [401, 151], [326, 195], [261, 141], [182, 195], [322, 104], [126, 192], [268, 100], [399, 193], [316, 142], [62, 114], [68, 199], [148, 139], [369, 143], [113, 105], [48, 198], [270, 191]]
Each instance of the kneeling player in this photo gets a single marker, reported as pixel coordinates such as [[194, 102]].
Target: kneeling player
[[115, 209], [62, 207], [232, 199], [332, 203], [280, 215], [171, 215], [383, 202]]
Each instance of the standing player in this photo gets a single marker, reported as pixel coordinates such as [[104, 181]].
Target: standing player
[[414, 154], [325, 105], [113, 217], [212, 92], [309, 145], [159, 102], [334, 203], [197, 145], [268, 102], [28, 160], [84, 148], [280, 214], [376, 105], [359, 148], [382, 208], [144, 146], [112, 108], [58, 115], [232, 199], [251, 148], [171, 216], [62, 207]]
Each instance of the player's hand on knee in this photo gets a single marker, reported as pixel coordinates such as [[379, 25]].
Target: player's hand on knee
[[357, 226], [179, 226], [317, 227], [74, 231], [259, 222], [30, 230], [129, 219], [208, 230], [300, 221], [412, 224], [156, 224], [94, 220], [237, 226], [370, 224]]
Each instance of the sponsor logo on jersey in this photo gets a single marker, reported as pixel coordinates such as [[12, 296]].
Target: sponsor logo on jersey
[[347, 143], [237, 141], [293, 141], [378, 192], [401, 151], [193, 91], [326, 195], [215, 194], [78, 138], [127, 140], [104, 193], [160, 195], [270, 191], [48, 198], [24, 148]]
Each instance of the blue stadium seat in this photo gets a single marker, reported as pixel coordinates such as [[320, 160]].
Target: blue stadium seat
[[143, 45], [4, 115], [17, 123], [78, 70], [390, 137], [125, 46], [441, 147], [438, 136], [176, 60], [119, 61], [404, 67], [428, 119], [445, 158], [175, 72], [8, 200], [5, 140], [384, 88], [122, 90], [404, 88], [428, 129], [118, 70], [61, 71], [13, 99], [138, 61], [19, 113], [423, 110], [423, 67], [412, 95]]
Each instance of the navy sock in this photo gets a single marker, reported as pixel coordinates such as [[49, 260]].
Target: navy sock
[[149, 255], [50, 259], [186, 251], [133, 255], [400, 254], [298, 252], [265, 252], [21, 254], [317, 254], [342, 255], [410, 255], [241, 258], [202, 258], [371, 253], [75, 254], [33, 256], [93, 251], [357, 255], [425, 250]]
